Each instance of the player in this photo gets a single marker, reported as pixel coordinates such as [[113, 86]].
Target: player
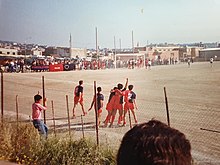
[[211, 61], [149, 64], [109, 107], [118, 103], [100, 99], [120, 106], [130, 103], [78, 98], [188, 61]]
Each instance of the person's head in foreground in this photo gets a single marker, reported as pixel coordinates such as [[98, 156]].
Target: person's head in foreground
[[154, 143]]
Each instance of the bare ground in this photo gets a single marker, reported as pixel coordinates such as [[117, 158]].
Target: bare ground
[[193, 97]]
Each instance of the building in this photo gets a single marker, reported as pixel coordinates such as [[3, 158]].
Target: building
[[193, 52], [65, 52], [37, 51], [163, 53], [8, 52], [169, 53], [78, 53], [206, 54]]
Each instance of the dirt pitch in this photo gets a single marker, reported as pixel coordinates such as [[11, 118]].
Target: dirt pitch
[[193, 97]]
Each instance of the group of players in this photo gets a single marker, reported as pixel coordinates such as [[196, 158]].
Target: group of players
[[120, 99]]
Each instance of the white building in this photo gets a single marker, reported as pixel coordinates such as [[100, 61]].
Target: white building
[[78, 52], [8, 52], [37, 51], [164, 53], [193, 51]]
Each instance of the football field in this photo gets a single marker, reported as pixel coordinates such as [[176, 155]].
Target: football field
[[193, 99]]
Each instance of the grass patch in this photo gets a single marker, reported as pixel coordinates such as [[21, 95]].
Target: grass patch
[[22, 144]]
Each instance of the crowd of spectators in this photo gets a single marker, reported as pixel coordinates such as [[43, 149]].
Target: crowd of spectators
[[13, 65], [30, 64]]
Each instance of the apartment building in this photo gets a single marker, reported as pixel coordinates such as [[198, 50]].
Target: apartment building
[[8, 52]]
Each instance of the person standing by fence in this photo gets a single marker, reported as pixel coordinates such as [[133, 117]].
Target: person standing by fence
[[78, 98], [37, 108]]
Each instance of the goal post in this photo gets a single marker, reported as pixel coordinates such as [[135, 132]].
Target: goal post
[[123, 60]]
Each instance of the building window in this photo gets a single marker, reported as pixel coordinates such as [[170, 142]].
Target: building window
[[8, 52], [13, 53], [0, 52]]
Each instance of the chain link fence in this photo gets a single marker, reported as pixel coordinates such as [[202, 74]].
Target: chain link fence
[[192, 109]]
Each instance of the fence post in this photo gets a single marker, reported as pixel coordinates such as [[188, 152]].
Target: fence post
[[167, 109], [68, 114], [82, 127], [96, 115], [16, 106], [54, 125], [2, 97], [43, 86], [129, 116]]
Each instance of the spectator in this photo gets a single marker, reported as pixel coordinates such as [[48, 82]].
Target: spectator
[[154, 143], [37, 108]]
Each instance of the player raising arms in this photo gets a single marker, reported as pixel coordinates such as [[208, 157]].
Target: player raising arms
[[118, 103]]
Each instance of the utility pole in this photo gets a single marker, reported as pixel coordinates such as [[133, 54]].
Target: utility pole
[[132, 42], [133, 46], [25, 58], [25, 50], [115, 51], [120, 44], [96, 41], [70, 45]]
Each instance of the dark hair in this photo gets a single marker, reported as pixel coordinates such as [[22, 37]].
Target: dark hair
[[37, 98], [99, 89], [120, 86], [80, 82], [130, 87], [154, 143]]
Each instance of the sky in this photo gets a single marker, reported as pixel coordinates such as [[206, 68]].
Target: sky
[[50, 22]]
